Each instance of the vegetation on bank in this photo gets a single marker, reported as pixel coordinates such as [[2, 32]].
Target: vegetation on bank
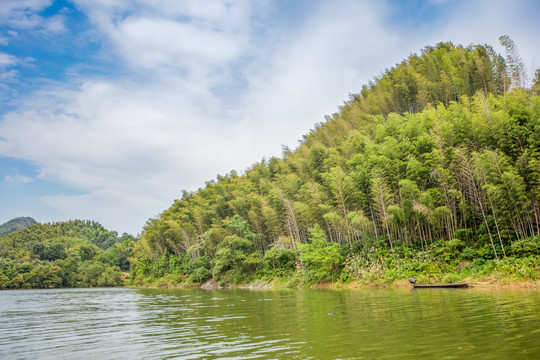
[[65, 254], [431, 171], [320, 262]]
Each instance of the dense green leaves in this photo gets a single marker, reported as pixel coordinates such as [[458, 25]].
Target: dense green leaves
[[319, 260], [439, 151], [65, 254]]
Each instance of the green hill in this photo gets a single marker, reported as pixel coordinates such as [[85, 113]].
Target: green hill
[[72, 253], [432, 170], [16, 224]]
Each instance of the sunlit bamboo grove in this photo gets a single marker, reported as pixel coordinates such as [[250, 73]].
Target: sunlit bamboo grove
[[445, 145]]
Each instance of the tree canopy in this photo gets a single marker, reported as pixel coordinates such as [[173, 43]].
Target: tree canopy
[[444, 146], [73, 253]]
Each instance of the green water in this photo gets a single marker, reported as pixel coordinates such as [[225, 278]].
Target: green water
[[270, 324]]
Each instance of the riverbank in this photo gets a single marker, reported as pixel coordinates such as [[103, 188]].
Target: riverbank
[[283, 283], [373, 267]]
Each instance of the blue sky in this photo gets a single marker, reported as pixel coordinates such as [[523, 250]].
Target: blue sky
[[110, 108]]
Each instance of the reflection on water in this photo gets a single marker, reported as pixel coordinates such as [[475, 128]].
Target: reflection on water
[[269, 324]]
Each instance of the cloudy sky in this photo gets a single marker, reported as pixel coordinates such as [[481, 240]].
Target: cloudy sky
[[110, 108]]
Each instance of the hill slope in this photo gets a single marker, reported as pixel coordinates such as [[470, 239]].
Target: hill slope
[[438, 159]]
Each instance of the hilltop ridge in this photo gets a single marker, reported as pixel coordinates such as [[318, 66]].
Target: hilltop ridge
[[16, 224]]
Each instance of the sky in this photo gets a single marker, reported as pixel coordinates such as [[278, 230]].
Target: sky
[[109, 109]]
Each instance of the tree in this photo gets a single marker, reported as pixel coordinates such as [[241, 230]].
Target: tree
[[515, 64], [235, 255], [320, 260], [535, 88]]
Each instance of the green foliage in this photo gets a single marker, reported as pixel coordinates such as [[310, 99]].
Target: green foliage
[[240, 227], [318, 237], [464, 235], [64, 254], [88, 251], [526, 247], [280, 261], [106, 258], [320, 261], [201, 274], [44, 276], [50, 252], [99, 274], [401, 262], [4, 281], [451, 278], [449, 250], [201, 268], [469, 253], [434, 163], [236, 256]]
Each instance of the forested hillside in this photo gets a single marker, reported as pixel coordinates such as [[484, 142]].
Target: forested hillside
[[432, 170], [16, 224], [65, 254]]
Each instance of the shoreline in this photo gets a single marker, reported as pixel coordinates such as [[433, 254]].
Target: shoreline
[[276, 284], [496, 284]]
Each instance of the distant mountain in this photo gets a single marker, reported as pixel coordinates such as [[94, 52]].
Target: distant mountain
[[16, 224]]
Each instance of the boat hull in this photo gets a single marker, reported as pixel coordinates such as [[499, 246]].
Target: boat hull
[[455, 285]]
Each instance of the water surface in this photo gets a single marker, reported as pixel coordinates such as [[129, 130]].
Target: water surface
[[270, 324]]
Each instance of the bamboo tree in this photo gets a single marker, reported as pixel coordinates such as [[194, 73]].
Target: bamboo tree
[[381, 201], [468, 175]]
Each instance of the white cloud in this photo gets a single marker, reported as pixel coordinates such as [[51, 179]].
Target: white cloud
[[142, 140], [161, 42], [7, 75], [24, 14], [7, 60], [171, 33], [311, 73], [17, 178], [114, 210]]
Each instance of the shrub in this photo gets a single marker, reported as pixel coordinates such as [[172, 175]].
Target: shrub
[[465, 235], [449, 250], [235, 255], [428, 268], [106, 258], [468, 253], [280, 260], [200, 275], [4, 281], [450, 278], [320, 261], [44, 276], [526, 247]]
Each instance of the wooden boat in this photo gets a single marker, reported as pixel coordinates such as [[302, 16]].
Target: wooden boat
[[454, 285]]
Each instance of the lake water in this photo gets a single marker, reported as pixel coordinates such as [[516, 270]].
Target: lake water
[[270, 324]]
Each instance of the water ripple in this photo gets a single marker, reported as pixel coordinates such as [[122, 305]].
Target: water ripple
[[269, 324]]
